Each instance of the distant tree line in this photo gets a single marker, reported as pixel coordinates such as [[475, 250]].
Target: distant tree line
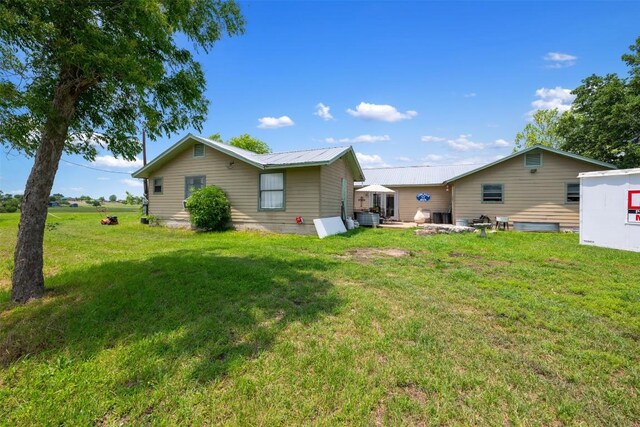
[[9, 202]]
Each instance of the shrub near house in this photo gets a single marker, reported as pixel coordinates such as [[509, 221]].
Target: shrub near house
[[209, 209]]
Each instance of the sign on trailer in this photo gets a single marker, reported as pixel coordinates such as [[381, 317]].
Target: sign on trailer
[[633, 206]]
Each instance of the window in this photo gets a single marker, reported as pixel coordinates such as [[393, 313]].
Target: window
[[271, 191], [492, 193], [533, 160], [193, 183], [157, 185], [573, 192], [198, 150]]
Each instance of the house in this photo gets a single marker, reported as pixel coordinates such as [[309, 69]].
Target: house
[[265, 191], [535, 185], [408, 182]]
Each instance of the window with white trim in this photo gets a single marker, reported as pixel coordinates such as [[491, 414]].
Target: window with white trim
[[193, 183], [271, 191], [573, 192], [492, 193], [198, 150], [157, 185]]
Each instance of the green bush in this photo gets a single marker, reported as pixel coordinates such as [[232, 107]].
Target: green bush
[[11, 205], [209, 208]]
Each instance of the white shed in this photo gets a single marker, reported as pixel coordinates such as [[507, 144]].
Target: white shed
[[610, 209]]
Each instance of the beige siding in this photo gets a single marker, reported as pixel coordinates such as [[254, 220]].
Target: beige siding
[[537, 197], [240, 181], [331, 189], [408, 205]]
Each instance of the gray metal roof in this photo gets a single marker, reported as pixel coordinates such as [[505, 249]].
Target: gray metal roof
[[413, 175], [302, 156], [314, 157]]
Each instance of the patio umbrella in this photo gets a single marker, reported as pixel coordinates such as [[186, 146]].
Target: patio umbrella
[[375, 188]]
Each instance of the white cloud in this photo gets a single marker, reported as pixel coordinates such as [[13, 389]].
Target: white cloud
[[322, 111], [549, 99], [501, 143], [372, 160], [470, 95], [560, 60], [433, 158], [429, 138], [275, 122], [381, 112], [136, 183], [463, 143], [113, 162], [403, 159], [357, 139]]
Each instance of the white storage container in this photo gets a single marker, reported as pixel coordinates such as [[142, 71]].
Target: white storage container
[[610, 209]]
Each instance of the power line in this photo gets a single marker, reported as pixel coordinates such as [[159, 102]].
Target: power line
[[95, 169]]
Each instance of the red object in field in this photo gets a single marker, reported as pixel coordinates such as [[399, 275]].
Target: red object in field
[[299, 220], [110, 220]]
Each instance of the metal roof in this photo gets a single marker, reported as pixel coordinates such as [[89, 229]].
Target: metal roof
[[300, 158], [413, 175]]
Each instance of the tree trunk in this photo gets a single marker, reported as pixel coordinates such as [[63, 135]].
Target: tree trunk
[[28, 279]]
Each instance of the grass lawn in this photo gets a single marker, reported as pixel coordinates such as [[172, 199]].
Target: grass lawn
[[151, 325]]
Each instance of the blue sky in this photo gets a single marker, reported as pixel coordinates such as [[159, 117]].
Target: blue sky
[[405, 83]]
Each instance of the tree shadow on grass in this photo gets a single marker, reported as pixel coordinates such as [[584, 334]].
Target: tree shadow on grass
[[208, 310]]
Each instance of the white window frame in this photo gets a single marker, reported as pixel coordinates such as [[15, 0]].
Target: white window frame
[[283, 191]]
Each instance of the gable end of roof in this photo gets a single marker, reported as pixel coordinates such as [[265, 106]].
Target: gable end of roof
[[528, 149]]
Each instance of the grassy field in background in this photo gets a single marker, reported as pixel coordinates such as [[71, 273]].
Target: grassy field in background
[[377, 327]]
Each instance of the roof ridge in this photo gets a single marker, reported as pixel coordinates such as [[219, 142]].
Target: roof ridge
[[300, 151], [424, 166]]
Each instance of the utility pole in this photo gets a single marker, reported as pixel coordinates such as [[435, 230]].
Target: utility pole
[[145, 205]]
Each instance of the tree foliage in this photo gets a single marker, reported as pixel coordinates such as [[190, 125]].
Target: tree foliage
[[542, 130], [76, 75], [209, 209], [604, 120], [123, 60], [250, 143], [244, 141]]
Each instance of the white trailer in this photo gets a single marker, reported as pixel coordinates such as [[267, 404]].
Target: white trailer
[[610, 209]]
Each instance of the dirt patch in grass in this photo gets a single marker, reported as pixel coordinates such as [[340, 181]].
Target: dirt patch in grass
[[368, 254]]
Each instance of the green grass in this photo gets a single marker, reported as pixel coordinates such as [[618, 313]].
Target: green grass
[[151, 325]]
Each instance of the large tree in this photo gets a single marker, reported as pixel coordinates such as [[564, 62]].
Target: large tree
[[604, 120], [250, 143], [74, 74], [244, 141], [542, 130]]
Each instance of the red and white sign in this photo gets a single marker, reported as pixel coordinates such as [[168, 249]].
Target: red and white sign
[[633, 206]]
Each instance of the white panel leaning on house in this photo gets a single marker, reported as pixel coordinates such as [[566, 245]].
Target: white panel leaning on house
[[329, 226]]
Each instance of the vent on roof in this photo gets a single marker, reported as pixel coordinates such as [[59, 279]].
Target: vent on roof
[[533, 160]]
